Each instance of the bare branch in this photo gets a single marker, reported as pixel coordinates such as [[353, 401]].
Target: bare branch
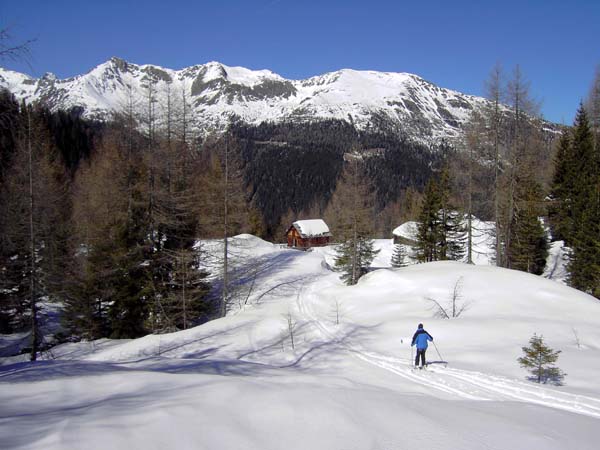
[[14, 52], [441, 312]]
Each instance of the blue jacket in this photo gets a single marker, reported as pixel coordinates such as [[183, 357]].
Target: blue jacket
[[420, 338]]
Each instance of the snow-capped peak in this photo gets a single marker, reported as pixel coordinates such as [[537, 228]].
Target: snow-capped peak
[[218, 92]]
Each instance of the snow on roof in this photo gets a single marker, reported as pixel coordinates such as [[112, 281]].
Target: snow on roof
[[312, 228], [407, 230]]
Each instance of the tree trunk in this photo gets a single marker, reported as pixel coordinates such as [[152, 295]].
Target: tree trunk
[[34, 321], [225, 230]]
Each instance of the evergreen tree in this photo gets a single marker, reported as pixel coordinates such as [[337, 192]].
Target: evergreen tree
[[529, 248], [184, 302], [452, 231], [539, 359], [112, 233], [440, 231], [584, 265], [429, 224], [560, 211], [399, 256], [131, 286], [179, 297], [455, 235], [354, 257]]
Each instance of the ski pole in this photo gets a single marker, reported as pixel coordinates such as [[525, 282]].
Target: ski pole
[[438, 352]]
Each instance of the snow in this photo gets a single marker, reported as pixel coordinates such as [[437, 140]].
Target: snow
[[347, 382], [312, 227], [556, 264], [482, 236], [407, 230]]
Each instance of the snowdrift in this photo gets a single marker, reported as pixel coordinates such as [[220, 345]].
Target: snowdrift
[[306, 362]]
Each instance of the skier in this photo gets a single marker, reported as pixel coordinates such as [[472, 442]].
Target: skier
[[420, 338]]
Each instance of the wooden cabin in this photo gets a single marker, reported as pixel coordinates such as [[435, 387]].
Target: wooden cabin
[[304, 234]]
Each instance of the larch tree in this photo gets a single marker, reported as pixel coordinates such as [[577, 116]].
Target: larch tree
[[521, 196], [222, 205], [351, 210], [112, 223], [593, 107], [494, 93], [33, 224]]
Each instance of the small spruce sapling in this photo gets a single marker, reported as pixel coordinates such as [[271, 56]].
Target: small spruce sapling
[[399, 256], [539, 359]]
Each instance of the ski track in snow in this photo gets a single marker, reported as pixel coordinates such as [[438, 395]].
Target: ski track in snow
[[464, 384]]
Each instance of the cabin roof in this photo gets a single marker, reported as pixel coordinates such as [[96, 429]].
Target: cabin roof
[[312, 228], [407, 230]]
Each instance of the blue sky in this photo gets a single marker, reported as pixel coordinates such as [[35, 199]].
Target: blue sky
[[451, 43]]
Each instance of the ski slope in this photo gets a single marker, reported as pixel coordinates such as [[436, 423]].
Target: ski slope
[[346, 382]]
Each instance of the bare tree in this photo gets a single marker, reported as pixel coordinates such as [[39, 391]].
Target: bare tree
[[593, 106], [337, 310], [291, 326], [351, 211], [456, 305], [576, 335], [494, 91], [222, 203], [13, 51], [185, 114], [32, 256]]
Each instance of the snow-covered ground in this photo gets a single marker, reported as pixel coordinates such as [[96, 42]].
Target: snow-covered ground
[[342, 379]]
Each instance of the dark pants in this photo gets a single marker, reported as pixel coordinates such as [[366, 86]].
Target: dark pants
[[420, 354]]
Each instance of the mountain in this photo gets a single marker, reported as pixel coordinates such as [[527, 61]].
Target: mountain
[[218, 94]]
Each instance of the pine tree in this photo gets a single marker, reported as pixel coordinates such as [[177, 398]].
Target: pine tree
[[180, 288], [455, 232], [529, 248], [539, 359], [114, 240], [452, 230], [354, 257], [183, 303], [560, 211], [399, 256], [584, 265], [429, 224], [440, 231]]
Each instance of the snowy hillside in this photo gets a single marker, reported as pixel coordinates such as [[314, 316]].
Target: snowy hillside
[[217, 93], [340, 379]]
